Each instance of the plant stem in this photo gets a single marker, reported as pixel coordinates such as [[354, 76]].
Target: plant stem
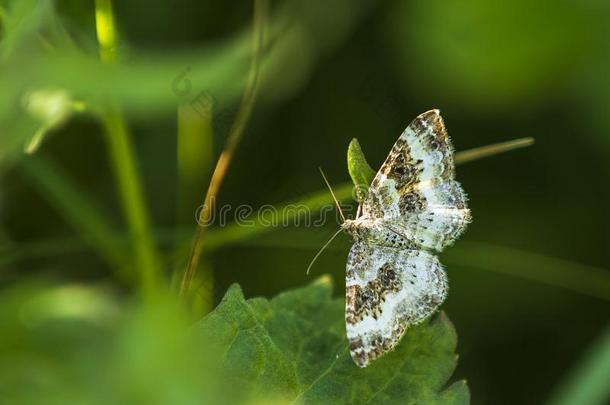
[[194, 157], [106, 30], [195, 161], [490, 150], [580, 278], [123, 160], [130, 186], [235, 135]]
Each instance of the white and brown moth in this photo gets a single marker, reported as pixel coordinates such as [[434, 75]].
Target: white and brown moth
[[412, 210]]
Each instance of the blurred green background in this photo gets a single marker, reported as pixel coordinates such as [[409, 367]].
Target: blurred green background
[[530, 288]]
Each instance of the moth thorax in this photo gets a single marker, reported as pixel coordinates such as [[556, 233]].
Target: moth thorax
[[355, 228]]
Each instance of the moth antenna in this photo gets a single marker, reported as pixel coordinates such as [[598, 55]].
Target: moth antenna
[[333, 194], [322, 249]]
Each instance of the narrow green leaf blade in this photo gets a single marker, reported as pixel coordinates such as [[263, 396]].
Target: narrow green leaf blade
[[75, 207], [587, 383]]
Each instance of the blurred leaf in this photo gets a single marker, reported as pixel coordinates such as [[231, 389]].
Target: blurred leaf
[[75, 206], [155, 361], [359, 169], [160, 81], [51, 108], [147, 83], [19, 22], [588, 382], [46, 330], [293, 348], [77, 345], [69, 302]]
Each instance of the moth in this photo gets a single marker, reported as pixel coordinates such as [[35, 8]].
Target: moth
[[412, 210]]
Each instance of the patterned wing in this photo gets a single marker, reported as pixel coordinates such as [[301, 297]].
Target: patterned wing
[[388, 290], [433, 214], [415, 190]]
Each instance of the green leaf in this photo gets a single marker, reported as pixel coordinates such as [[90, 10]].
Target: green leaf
[[293, 349], [359, 169]]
